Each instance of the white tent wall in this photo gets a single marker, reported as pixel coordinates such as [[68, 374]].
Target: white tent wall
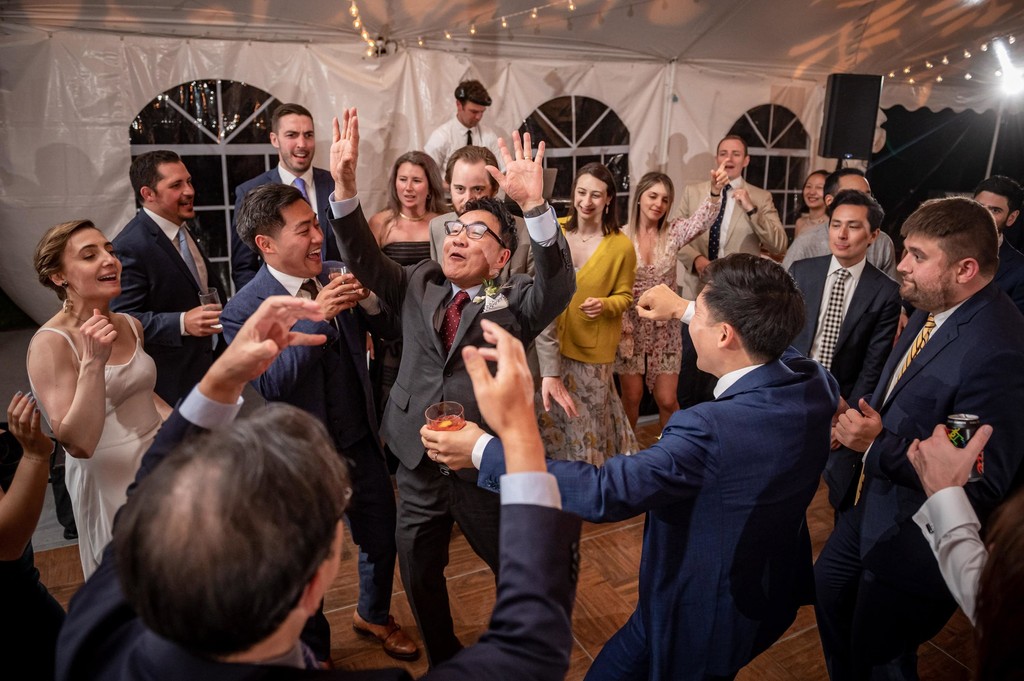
[[69, 96]]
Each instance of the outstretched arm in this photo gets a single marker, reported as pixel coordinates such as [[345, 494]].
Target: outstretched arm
[[21, 506]]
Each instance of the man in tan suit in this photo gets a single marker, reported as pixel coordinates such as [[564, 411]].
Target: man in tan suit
[[749, 221]]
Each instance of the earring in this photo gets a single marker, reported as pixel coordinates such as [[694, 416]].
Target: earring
[[68, 306]]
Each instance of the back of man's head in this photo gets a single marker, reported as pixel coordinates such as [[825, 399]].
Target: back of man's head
[[472, 91], [758, 298], [262, 209], [1004, 186], [497, 208], [963, 228], [216, 545], [832, 181], [852, 197]]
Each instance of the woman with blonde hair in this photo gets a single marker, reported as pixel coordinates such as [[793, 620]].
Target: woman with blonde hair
[[92, 378]]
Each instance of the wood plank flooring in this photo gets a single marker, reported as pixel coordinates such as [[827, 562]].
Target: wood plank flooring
[[607, 595]]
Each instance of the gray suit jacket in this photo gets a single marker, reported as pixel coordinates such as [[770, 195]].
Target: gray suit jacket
[[416, 295]]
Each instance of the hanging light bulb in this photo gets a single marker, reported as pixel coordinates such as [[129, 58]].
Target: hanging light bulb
[[999, 73], [370, 51], [945, 60], [906, 69], [353, 10], [447, 35], [572, 6], [892, 74], [911, 81], [364, 34], [419, 41], [472, 29], [356, 23], [504, 22], [967, 76], [984, 47], [929, 65], [533, 13], [939, 79], [1011, 40], [967, 54]]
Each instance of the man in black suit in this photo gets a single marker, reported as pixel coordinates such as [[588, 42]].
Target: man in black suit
[[852, 312], [1003, 197], [163, 271], [879, 590], [196, 586], [439, 308], [332, 383], [291, 133]]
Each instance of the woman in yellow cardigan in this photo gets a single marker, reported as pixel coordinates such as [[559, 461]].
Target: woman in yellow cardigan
[[589, 328]]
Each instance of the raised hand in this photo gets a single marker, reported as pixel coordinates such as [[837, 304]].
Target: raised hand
[[98, 336], [345, 154], [523, 179], [24, 422], [719, 178]]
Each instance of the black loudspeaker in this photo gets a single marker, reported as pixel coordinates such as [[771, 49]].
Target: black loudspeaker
[[851, 109]]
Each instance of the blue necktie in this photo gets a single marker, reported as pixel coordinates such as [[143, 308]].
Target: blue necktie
[[186, 255], [715, 233], [300, 184]]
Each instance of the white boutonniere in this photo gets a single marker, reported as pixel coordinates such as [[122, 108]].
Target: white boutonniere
[[493, 298]]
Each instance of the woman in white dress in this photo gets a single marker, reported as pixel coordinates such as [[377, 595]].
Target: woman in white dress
[[95, 383]]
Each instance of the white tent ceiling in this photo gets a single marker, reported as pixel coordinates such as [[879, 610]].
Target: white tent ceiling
[[795, 38]]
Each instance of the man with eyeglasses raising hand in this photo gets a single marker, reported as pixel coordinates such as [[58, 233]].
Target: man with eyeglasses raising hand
[[438, 308]]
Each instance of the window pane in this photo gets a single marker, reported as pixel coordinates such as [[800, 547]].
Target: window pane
[[244, 168], [207, 179], [780, 117], [238, 102], [199, 100], [210, 232], [158, 123], [559, 112], [776, 175], [798, 172], [541, 131], [743, 128], [221, 271], [755, 171], [563, 180], [619, 167], [779, 198], [794, 138]]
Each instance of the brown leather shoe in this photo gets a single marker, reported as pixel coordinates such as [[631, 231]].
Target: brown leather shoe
[[392, 639]]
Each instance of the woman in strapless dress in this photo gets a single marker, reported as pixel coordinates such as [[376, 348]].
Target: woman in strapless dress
[[93, 380], [402, 231]]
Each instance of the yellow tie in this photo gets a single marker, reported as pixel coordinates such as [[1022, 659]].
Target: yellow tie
[[922, 337]]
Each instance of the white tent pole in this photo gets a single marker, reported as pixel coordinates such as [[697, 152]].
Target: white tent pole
[[995, 139], [665, 119]]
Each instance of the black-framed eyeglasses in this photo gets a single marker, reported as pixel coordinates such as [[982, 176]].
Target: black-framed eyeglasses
[[474, 230]]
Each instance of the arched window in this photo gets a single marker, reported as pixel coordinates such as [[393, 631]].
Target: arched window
[[780, 151], [220, 128], [577, 131]]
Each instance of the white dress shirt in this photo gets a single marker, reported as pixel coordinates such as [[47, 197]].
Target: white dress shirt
[[171, 230], [289, 179], [452, 135]]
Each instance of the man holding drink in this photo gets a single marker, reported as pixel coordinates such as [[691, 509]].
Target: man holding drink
[[439, 307]]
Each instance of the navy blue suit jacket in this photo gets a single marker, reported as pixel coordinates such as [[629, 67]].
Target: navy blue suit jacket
[[156, 287], [1010, 275], [245, 262], [530, 632], [309, 377], [726, 559], [973, 363]]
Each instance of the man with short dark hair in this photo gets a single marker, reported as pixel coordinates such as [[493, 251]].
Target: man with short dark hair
[[332, 383], [292, 134], [439, 307], [814, 243], [197, 585], [852, 312], [471, 102], [726, 556], [163, 271], [879, 591], [1003, 197]]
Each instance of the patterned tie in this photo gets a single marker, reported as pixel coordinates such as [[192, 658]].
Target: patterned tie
[[469, 138], [186, 255], [922, 337], [452, 315], [833, 319], [300, 184], [715, 233], [309, 286]]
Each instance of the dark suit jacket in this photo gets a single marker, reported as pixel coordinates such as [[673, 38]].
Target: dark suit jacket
[[245, 262], [416, 294], [317, 379], [156, 287], [726, 560], [865, 340], [1010, 275], [529, 636], [973, 363]]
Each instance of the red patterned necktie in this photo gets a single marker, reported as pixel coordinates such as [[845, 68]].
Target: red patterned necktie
[[452, 315]]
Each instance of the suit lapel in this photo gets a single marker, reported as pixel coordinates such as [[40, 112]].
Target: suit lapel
[[433, 297], [812, 296], [164, 244], [469, 313], [864, 294]]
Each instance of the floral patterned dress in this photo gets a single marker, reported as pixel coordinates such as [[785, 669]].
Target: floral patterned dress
[[648, 347]]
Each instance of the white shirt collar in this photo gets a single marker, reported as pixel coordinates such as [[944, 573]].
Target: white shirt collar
[[291, 284], [473, 291], [289, 179], [854, 270], [166, 226], [727, 381], [738, 183]]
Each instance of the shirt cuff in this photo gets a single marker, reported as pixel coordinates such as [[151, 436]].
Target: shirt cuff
[[945, 511], [535, 488], [544, 228], [687, 314], [344, 207], [181, 325], [200, 410], [370, 304], [478, 449]]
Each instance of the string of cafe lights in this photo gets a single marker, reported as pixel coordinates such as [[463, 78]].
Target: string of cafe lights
[[966, 64]]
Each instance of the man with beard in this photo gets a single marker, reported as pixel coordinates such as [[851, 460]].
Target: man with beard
[[1003, 197], [880, 593]]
